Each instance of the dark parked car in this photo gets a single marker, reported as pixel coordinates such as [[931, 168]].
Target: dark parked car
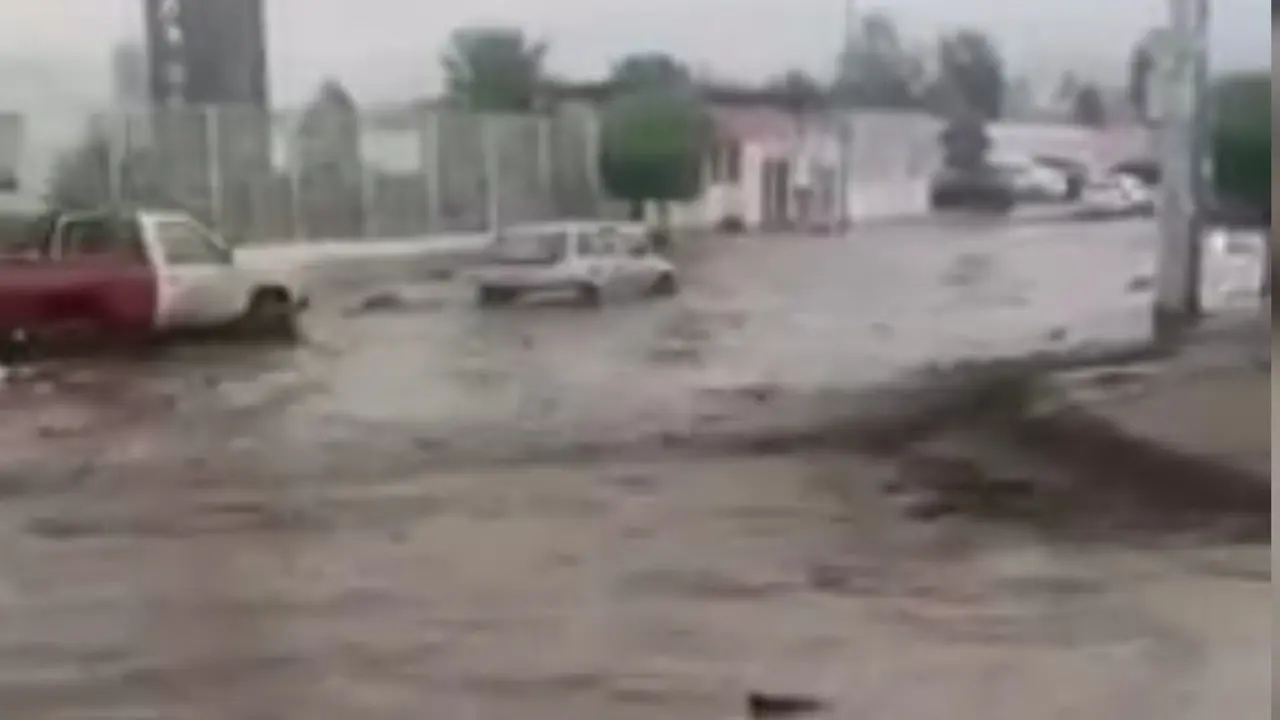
[[985, 188]]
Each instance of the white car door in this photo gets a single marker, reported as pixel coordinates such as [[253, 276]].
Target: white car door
[[598, 255], [198, 278], [641, 264]]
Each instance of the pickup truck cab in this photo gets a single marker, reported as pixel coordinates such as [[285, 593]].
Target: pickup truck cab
[[139, 273]]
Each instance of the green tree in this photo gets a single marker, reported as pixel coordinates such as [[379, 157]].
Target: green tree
[[1241, 141], [1088, 107], [88, 176], [874, 70], [965, 142], [800, 91], [329, 168], [653, 142], [494, 69], [1142, 64], [971, 74], [649, 70]]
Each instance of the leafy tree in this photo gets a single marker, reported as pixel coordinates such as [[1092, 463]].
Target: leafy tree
[[1241, 142], [649, 70], [329, 168], [1088, 107], [874, 70], [1069, 86], [965, 142], [494, 69], [971, 74], [652, 146], [87, 176], [1142, 64], [800, 91], [329, 131]]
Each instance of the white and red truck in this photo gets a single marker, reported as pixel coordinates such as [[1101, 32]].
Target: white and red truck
[[136, 274]]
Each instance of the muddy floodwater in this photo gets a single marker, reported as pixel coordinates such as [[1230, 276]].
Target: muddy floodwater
[[429, 511]]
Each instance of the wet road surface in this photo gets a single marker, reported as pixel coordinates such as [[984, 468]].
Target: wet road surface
[[273, 533]]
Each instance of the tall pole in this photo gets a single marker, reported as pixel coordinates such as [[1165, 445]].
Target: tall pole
[[844, 123], [1182, 148]]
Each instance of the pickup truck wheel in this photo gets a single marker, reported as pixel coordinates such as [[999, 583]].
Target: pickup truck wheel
[[665, 286], [272, 315], [487, 296]]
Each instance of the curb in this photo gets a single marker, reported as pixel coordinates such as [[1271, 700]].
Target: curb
[[1067, 432]]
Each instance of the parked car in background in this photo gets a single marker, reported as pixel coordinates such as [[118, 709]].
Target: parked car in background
[[593, 261], [134, 274], [1076, 173], [985, 188], [1146, 170], [1032, 181], [1116, 195]]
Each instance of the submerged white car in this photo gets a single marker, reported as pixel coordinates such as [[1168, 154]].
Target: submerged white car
[[591, 260]]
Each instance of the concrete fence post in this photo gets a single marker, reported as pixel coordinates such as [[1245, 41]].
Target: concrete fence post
[[545, 171], [489, 128], [431, 168], [106, 124], [213, 158]]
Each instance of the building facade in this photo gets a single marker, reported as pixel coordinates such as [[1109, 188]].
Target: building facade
[[207, 52]]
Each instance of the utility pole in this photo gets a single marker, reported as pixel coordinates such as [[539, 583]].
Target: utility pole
[[1183, 76], [844, 123]]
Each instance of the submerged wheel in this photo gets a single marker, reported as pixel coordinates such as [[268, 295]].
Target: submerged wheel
[[590, 295], [273, 315], [665, 286]]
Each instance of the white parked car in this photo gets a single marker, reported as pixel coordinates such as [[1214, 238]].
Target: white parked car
[[1032, 181], [1117, 194], [593, 260]]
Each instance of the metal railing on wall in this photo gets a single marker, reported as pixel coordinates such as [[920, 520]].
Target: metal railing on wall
[[338, 173]]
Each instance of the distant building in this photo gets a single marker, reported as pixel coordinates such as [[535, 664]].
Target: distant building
[[205, 52], [211, 55]]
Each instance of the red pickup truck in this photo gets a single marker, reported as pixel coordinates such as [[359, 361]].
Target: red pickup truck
[[135, 274]]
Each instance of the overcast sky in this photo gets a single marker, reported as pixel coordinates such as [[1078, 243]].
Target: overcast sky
[[390, 49]]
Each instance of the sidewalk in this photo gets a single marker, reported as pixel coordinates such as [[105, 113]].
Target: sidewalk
[[1196, 423], [335, 264]]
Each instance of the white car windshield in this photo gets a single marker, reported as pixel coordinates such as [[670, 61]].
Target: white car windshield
[[531, 247]]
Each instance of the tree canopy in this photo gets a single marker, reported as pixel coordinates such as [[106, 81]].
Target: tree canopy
[[875, 71], [1088, 107], [649, 70], [971, 74], [494, 69], [653, 143], [1241, 139]]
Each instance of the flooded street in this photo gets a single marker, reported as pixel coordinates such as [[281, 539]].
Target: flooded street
[[433, 511]]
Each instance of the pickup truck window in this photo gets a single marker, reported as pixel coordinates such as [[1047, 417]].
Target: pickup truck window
[[102, 237], [185, 243]]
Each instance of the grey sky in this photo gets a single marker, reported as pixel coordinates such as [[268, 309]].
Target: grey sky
[[389, 49]]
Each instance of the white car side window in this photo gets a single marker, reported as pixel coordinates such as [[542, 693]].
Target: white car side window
[[593, 245], [185, 243]]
